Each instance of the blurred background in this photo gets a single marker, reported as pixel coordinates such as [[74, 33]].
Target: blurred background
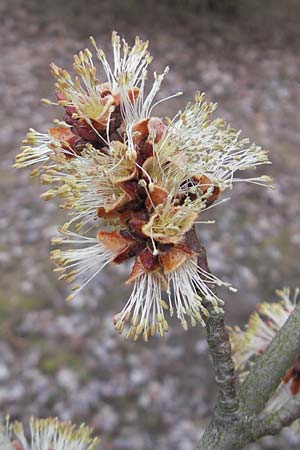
[[66, 360]]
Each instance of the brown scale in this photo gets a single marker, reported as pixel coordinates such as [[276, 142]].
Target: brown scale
[[142, 140], [135, 213], [294, 375], [141, 245], [95, 134], [135, 210]]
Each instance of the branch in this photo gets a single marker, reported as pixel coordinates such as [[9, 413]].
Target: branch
[[234, 422], [219, 347], [274, 423], [271, 367], [220, 350]]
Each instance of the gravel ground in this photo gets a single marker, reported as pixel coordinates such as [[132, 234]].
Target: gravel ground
[[66, 360]]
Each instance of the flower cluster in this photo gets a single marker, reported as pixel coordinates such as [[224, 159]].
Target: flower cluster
[[46, 434], [261, 329], [140, 179]]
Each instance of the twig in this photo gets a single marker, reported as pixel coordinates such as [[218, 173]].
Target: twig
[[273, 423], [234, 423], [219, 347], [271, 367]]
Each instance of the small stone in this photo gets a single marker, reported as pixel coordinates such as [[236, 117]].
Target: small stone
[[4, 372], [108, 419]]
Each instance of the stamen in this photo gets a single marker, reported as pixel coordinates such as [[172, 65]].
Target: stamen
[[83, 263]]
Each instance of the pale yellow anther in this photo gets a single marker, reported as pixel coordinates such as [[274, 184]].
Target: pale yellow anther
[[193, 321], [164, 304], [70, 297], [184, 325], [135, 320], [48, 195], [146, 335], [75, 287], [140, 328], [153, 329], [34, 172], [132, 331], [159, 317], [56, 240]]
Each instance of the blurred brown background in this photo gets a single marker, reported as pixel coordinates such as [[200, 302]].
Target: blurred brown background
[[66, 360]]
